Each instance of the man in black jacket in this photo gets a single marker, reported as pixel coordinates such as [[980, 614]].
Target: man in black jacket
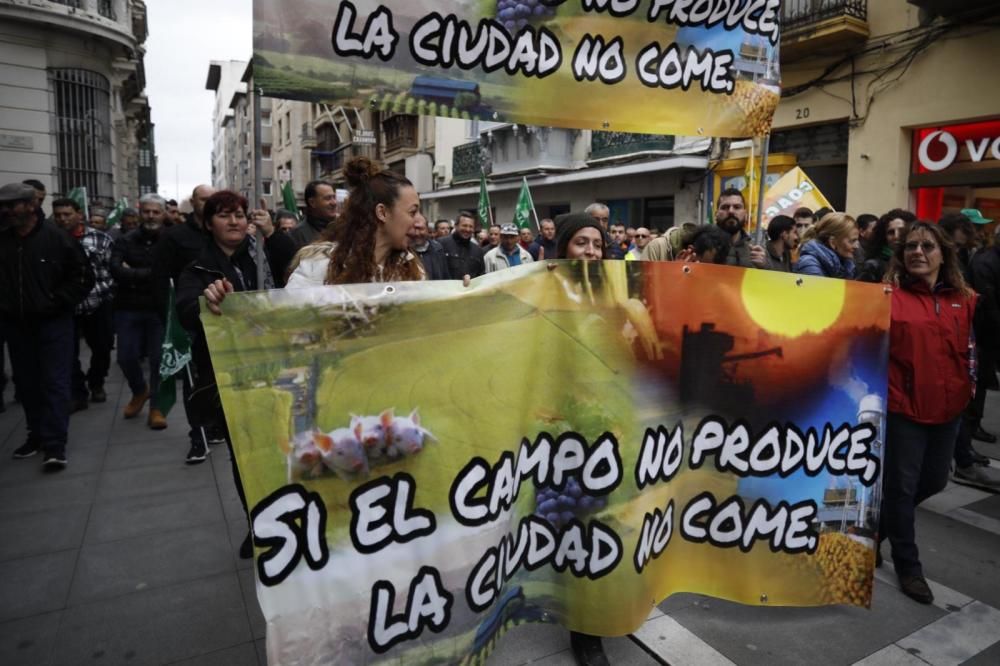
[[321, 210], [44, 274], [462, 255], [428, 249], [138, 323]]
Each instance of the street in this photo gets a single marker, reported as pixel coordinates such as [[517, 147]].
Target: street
[[130, 556]]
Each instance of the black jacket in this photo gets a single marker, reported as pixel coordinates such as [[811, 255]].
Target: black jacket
[[176, 247], [211, 265], [985, 271], [43, 275], [463, 257], [132, 268], [307, 232], [434, 260]]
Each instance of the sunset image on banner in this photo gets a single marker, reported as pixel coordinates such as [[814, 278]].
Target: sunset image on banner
[[633, 443]]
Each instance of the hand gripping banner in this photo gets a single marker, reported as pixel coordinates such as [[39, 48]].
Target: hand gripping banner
[[429, 466]]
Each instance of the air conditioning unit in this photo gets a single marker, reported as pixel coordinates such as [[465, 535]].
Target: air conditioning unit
[[440, 171]]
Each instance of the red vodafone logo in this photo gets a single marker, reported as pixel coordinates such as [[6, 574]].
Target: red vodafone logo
[[941, 148], [945, 147]]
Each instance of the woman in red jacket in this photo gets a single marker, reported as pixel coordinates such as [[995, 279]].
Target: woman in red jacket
[[930, 382]]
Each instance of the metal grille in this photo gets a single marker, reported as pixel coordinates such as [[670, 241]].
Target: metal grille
[[83, 130], [105, 9], [796, 13], [76, 4]]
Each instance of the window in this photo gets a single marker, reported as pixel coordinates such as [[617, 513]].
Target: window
[[145, 158], [288, 127], [265, 152], [267, 188], [279, 129], [83, 131], [265, 118], [105, 9]]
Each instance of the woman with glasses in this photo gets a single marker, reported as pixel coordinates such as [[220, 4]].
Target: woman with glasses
[[931, 370]]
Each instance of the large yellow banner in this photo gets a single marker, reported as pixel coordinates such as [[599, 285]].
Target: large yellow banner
[[429, 465], [707, 68]]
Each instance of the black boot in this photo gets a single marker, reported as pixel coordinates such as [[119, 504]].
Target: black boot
[[587, 649]]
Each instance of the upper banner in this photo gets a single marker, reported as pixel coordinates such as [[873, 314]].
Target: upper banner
[[707, 68], [428, 466]]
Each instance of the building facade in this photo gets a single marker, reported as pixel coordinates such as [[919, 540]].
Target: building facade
[[72, 97], [893, 103]]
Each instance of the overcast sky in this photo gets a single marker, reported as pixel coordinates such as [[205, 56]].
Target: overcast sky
[[184, 36]]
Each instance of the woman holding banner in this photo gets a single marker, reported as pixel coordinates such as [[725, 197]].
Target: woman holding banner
[[368, 243], [931, 370]]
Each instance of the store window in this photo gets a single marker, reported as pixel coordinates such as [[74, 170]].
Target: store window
[[83, 131]]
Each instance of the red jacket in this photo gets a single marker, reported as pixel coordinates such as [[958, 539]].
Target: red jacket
[[930, 352]]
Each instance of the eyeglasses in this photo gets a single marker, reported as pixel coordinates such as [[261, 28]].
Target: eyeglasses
[[926, 246]]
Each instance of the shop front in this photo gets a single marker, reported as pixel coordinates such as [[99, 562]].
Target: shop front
[[955, 167]]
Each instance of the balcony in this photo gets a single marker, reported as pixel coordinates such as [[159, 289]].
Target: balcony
[[307, 136], [624, 145], [466, 162], [110, 20], [401, 133], [811, 27], [962, 11], [523, 149]]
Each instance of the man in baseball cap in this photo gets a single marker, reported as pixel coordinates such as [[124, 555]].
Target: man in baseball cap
[[44, 275], [975, 216], [509, 253]]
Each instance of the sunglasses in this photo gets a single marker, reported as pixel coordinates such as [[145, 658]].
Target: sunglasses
[[926, 246]]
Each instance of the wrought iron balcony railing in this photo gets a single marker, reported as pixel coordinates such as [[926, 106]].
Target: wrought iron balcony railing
[[800, 13]]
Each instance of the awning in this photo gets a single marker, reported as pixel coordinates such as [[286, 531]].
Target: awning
[[696, 162]]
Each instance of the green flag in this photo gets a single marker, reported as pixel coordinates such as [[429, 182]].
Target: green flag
[[115, 216], [525, 206], [79, 195], [174, 357], [484, 202], [288, 199]]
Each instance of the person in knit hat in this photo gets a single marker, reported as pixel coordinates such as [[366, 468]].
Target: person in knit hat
[[579, 236]]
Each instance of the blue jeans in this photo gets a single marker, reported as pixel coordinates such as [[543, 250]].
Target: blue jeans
[[140, 333], [41, 354], [916, 465]]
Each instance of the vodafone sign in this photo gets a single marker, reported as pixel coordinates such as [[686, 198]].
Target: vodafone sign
[[956, 147]]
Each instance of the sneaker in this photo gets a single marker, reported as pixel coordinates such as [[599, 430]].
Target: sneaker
[[978, 477], [54, 460], [216, 440], [916, 588], [98, 394], [134, 405], [246, 548], [27, 449], [196, 454], [979, 459], [156, 420]]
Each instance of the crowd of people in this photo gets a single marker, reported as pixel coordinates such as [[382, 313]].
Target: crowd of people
[[67, 279]]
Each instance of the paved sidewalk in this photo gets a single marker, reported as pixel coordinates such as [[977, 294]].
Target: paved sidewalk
[[129, 556]]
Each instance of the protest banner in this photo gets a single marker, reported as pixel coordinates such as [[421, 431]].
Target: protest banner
[[709, 68], [428, 466], [792, 191]]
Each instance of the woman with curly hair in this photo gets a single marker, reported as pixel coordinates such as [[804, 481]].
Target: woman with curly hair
[[888, 234], [368, 242], [931, 370]]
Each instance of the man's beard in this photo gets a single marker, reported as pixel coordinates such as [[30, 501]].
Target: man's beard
[[151, 226], [730, 224]]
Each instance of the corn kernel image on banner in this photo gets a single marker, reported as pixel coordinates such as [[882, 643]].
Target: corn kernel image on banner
[[429, 466], [708, 68]]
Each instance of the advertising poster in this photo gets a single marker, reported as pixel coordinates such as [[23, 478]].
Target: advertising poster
[[706, 68], [429, 466]]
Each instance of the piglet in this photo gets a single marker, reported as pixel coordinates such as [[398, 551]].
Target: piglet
[[406, 436], [305, 461], [342, 453], [372, 432]]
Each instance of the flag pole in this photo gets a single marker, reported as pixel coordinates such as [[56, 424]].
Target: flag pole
[[531, 199], [759, 213], [258, 179]]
